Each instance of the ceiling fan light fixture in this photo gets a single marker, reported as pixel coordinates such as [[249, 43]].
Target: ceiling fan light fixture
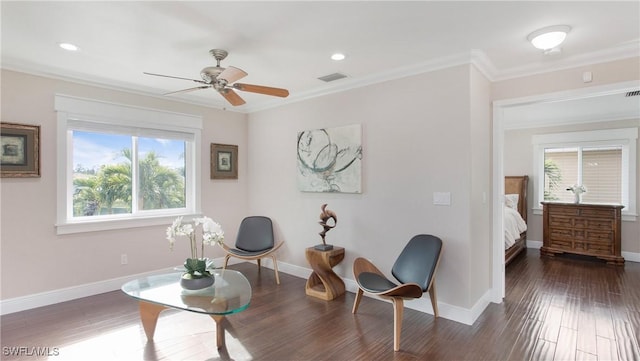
[[549, 37], [68, 46], [338, 56]]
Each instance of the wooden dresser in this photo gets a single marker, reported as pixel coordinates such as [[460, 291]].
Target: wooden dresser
[[586, 229]]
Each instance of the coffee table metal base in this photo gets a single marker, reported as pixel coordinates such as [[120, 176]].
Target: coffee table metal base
[[149, 313]]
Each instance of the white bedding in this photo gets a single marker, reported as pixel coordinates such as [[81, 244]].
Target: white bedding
[[513, 226]]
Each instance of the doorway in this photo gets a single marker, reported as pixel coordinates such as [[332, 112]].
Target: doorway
[[566, 107]]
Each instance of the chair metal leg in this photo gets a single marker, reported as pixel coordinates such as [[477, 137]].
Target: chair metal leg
[[356, 302], [398, 309], [259, 264], [226, 259], [434, 301], [275, 267]]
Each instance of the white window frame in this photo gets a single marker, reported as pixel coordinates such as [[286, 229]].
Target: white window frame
[[87, 114], [625, 137]]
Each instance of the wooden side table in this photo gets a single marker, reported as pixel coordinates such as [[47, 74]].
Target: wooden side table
[[323, 282]]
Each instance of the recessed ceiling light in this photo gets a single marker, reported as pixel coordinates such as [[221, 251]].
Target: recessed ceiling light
[[68, 46], [337, 56], [549, 37]]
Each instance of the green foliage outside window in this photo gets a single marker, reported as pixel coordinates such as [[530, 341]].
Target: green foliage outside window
[[552, 177], [109, 189]]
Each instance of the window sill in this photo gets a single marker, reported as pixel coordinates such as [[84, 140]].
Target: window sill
[[114, 224]]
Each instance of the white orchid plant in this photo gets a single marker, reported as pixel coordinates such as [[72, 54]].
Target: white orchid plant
[[577, 189], [212, 234]]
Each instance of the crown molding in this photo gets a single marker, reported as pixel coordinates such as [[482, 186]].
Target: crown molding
[[474, 57], [624, 51], [83, 79]]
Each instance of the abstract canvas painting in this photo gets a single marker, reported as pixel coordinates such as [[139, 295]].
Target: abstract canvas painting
[[330, 160]]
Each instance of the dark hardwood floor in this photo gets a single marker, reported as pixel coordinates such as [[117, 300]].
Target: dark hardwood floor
[[555, 309]]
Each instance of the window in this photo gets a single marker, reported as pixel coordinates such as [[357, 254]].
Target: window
[[124, 174], [598, 169], [123, 166], [603, 161]]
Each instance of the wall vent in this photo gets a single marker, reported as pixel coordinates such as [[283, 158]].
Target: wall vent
[[634, 93], [332, 77]]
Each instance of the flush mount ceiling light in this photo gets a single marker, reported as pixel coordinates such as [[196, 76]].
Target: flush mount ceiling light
[[68, 46], [550, 37], [337, 56]]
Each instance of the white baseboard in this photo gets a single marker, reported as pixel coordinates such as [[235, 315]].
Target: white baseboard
[[450, 312], [631, 256], [534, 244], [28, 302], [17, 304]]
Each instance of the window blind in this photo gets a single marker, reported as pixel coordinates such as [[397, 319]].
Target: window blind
[[602, 175]]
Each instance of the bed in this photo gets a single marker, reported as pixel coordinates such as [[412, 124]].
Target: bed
[[515, 213]]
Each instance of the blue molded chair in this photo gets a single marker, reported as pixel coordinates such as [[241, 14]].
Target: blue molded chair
[[255, 241], [415, 269]]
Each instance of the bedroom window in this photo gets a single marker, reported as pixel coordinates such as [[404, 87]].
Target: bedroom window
[[122, 167], [599, 169], [603, 161]]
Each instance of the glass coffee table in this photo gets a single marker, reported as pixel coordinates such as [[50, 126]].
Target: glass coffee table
[[231, 293]]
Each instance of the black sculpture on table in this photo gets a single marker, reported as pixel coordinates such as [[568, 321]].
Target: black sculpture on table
[[325, 216]]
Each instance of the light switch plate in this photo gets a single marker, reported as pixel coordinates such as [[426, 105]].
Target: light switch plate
[[442, 198]]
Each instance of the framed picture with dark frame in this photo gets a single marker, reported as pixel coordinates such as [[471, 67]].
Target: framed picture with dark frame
[[19, 150], [224, 161]]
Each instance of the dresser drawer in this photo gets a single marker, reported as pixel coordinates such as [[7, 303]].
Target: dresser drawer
[[593, 223], [598, 237], [600, 248], [564, 211], [582, 211], [560, 243], [561, 235], [558, 222], [597, 213], [594, 248]]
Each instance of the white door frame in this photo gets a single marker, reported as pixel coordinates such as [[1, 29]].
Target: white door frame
[[499, 121]]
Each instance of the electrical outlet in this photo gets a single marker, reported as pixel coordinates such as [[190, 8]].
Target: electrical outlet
[[123, 259]]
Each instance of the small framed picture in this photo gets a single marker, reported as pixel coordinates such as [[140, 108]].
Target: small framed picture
[[19, 150], [224, 161]]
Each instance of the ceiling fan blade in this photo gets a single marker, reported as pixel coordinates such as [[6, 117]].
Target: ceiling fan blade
[[176, 77], [231, 74], [232, 97], [188, 90], [267, 90]]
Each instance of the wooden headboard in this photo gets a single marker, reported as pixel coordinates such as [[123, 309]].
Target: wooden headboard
[[518, 185]]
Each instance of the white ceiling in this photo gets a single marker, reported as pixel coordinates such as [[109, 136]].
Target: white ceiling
[[288, 44]]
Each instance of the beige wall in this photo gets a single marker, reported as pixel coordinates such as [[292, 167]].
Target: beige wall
[[28, 206], [417, 139]]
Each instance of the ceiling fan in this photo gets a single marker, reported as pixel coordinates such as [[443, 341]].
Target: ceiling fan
[[223, 80]]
